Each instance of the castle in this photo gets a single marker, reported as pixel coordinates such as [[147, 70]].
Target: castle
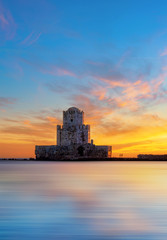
[[73, 140]]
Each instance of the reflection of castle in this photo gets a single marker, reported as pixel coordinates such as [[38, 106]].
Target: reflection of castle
[[73, 140]]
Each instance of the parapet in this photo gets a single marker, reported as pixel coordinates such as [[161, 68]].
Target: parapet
[[73, 140], [73, 117]]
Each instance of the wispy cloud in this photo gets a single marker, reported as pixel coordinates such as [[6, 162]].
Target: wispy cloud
[[127, 93], [55, 87], [111, 85], [40, 127], [95, 111], [31, 38], [3, 20], [164, 52], [50, 69], [58, 71], [7, 23], [5, 101]]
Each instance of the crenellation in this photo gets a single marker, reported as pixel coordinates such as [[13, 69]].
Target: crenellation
[[73, 140], [73, 130]]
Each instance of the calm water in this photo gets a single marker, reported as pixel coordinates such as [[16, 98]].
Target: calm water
[[94, 200]]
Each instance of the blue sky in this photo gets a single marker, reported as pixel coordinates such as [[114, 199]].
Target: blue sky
[[105, 57]]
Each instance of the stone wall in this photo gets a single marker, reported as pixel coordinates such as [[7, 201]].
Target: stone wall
[[73, 117], [73, 140], [74, 151], [73, 130], [67, 135]]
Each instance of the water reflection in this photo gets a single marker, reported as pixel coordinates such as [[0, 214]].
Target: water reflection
[[94, 200]]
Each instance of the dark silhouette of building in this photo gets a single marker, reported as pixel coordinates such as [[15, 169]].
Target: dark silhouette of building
[[73, 140]]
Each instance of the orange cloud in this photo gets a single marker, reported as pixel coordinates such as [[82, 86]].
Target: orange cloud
[[113, 83], [129, 94], [112, 108], [94, 112], [27, 122], [129, 136], [53, 121], [99, 92], [35, 131]]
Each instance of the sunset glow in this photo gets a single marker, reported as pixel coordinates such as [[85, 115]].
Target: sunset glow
[[99, 56]]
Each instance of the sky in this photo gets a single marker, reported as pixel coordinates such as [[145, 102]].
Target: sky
[[108, 58]]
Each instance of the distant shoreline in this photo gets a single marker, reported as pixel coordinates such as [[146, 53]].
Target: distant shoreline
[[83, 160]]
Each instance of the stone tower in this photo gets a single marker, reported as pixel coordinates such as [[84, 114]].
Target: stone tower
[[73, 130], [73, 141]]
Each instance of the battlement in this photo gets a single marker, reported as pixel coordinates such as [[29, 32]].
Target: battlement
[[73, 130], [73, 140], [73, 116]]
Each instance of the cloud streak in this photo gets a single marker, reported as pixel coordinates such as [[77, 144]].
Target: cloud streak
[[39, 124], [31, 38], [3, 20], [5, 101], [58, 71], [7, 24], [164, 53], [127, 93]]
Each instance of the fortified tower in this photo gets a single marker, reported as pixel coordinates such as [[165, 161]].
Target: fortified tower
[[73, 131], [73, 140]]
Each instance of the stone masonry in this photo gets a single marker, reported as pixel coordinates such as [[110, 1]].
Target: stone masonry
[[73, 130], [73, 140]]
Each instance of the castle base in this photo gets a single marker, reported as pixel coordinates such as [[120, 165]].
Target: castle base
[[73, 151]]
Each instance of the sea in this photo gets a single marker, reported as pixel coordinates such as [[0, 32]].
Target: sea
[[83, 200]]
